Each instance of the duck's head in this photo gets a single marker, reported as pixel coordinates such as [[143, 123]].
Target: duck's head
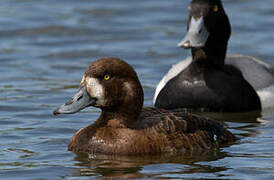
[[110, 84], [208, 26]]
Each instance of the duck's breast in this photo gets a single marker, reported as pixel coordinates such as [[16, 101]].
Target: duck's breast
[[174, 71]]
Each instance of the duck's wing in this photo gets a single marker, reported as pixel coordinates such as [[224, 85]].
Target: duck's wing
[[257, 73], [185, 124]]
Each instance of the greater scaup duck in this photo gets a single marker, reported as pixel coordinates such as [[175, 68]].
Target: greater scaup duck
[[205, 81], [125, 127]]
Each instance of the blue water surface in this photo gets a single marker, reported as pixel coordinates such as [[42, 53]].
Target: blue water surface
[[46, 46]]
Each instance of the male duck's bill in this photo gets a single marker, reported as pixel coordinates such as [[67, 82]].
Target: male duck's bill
[[197, 34], [78, 102]]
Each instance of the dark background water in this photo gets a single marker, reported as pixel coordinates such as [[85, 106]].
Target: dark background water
[[45, 47]]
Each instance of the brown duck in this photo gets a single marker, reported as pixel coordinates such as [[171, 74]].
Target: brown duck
[[125, 127]]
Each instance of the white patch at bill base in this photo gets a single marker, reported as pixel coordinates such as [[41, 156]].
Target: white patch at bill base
[[95, 90]]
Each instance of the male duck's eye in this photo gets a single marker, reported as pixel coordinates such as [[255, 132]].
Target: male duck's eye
[[107, 77], [215, 8]]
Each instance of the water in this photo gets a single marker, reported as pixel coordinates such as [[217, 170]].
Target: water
[[45, 48]]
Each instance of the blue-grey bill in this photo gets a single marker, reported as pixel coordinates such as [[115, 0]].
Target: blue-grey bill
[[197, 34], [79, 101]]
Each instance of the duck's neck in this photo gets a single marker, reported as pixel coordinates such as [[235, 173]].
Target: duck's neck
[[116, 119], [127, 112], [211, 55]]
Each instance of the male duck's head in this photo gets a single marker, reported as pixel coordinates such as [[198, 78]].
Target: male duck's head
[[110, 84], [208, 27]]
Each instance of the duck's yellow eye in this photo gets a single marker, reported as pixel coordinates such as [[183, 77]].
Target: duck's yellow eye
[[107, 77], [215, 8]]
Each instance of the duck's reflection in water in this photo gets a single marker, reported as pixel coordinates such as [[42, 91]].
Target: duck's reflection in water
[[109, 166]]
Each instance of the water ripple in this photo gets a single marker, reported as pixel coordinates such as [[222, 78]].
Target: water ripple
[[45, 47]]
